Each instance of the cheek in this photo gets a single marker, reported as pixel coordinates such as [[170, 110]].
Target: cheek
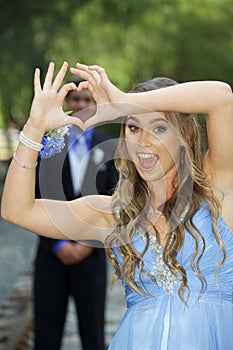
[[128, 145], [171, 148], [174, 152], [130, 150]]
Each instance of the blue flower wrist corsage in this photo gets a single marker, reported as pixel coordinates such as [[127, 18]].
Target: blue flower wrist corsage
[[53, 142]]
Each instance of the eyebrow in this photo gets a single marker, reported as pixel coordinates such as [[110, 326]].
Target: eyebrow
[[151, 122]]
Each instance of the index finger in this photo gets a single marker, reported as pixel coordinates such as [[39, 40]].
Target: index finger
[[98, 69], [85, 74], [92, 121]]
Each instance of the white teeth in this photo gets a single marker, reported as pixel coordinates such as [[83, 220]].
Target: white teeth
[[145, 155]]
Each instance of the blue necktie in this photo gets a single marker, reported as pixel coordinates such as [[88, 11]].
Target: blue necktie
[[80, 157], [80, 147]]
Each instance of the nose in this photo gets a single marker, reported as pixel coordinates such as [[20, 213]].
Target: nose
[[81, 104], [145, 138]]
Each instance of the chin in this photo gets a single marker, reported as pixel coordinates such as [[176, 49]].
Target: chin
[[150, 176]]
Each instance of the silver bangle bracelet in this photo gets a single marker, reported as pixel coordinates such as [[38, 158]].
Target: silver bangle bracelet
[[23, 165], [29, 143]]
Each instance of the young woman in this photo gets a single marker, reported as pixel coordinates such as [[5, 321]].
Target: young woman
[[168, 227]]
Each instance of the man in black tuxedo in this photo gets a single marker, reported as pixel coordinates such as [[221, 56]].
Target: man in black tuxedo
[[64, 268]]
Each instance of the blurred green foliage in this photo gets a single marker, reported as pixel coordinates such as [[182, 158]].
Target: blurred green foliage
[[132, 40]]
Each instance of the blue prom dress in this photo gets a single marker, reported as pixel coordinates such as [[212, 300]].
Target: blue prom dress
[[159, 320]]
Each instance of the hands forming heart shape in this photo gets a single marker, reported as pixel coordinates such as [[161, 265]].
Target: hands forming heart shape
[[47, 112]]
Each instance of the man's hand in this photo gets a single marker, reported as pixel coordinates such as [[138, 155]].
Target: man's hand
[[72, 253]]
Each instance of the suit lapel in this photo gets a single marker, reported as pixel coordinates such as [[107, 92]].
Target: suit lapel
[[66, 177]]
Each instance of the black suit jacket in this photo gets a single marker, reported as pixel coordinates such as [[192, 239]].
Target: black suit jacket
[[53, 178]]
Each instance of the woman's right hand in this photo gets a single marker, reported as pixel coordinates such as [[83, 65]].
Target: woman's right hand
[[109, 99], [46, 110]]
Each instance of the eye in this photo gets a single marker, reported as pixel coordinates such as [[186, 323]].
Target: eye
[[133, 128], [159, 129], [88, 100]]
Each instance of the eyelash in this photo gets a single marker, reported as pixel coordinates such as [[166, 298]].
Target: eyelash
[[135, 128]]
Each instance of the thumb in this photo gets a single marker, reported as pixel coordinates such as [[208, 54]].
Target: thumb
[[74, 121], [93, 121]]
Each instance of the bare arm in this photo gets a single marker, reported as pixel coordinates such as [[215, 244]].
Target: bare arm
[[57, 219], [213, 98]]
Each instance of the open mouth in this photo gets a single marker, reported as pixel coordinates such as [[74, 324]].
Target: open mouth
[[147, 160]]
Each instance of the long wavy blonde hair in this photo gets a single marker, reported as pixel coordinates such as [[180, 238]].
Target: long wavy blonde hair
[[192, 189]]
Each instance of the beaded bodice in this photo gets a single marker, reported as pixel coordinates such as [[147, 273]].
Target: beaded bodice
[[160, 271]]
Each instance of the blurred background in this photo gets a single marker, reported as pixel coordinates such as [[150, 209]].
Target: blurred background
[[133, 40]]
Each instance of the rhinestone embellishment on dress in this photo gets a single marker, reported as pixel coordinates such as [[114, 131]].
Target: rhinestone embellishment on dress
[[160, 271]]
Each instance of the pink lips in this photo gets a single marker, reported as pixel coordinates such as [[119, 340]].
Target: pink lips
[[147, 160]]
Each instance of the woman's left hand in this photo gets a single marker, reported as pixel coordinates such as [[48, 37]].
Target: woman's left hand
[[46, 110]]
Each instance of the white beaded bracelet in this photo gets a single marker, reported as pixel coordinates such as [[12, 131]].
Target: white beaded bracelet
[[29, 143], [23, 165]]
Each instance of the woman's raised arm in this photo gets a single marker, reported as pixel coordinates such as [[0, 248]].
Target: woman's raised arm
[[212, 98], [18, 201]]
